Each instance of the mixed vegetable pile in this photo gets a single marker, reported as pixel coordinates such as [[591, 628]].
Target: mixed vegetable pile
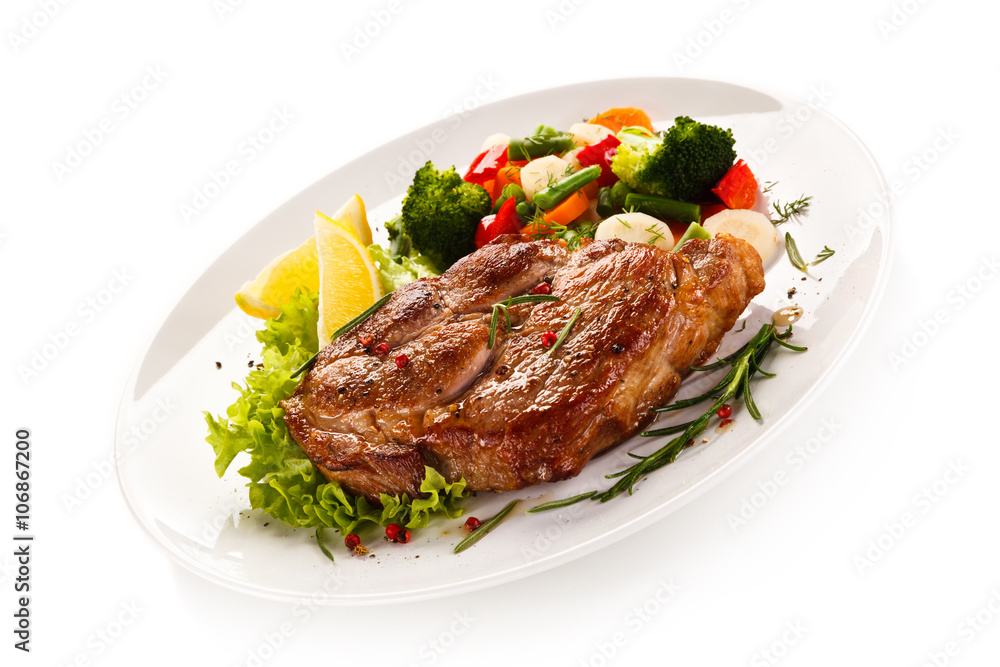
[[610, 177]]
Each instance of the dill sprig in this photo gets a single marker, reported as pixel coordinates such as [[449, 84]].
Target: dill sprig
[[788, 211], [654, 235], [572, 235], [824, 254]]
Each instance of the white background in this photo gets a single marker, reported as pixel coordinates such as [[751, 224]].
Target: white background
[[795, 562]]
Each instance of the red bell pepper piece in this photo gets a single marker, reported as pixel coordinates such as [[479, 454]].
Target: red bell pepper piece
[[487, 164], [601, 154], [504, 222], [738, 188]]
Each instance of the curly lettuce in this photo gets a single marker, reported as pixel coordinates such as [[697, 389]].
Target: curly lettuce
[[398, 271], [282, 480]]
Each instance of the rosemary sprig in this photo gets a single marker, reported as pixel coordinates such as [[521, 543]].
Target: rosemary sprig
[[561, 503], [485, 528], [823, 255], [793, 253], [504, 306], [319, 541], [565, 331], [368, 312], [744, 364], [788, 211]]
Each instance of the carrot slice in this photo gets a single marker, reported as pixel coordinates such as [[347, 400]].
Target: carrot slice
[[505, 177], [488, 186], [536, 229], [619, 117], [568, 209], [563, 213]]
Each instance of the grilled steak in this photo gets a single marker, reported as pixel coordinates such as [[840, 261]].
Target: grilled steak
[[515, 415]]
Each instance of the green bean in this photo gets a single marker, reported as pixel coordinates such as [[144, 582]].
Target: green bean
[[604, 206], [538, 145], [694, 231], [543, 130], [510, 190], [558, 191], [663, 208], [618, 193], [526, 211]]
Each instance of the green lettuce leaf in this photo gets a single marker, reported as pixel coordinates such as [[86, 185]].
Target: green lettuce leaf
[[399, 271], [282, 480]]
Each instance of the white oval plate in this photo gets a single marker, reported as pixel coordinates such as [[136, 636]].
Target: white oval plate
[[166, 468]]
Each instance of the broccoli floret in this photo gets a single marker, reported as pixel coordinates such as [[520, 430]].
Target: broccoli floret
[[684, 163], [399, 243], [440, 214]]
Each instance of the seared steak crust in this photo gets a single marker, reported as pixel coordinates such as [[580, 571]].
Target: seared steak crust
[[514, 415]]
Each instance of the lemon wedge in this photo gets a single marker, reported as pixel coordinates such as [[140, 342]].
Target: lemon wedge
[[262, 297], [276, 283], [349, 281], [353, 216]]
